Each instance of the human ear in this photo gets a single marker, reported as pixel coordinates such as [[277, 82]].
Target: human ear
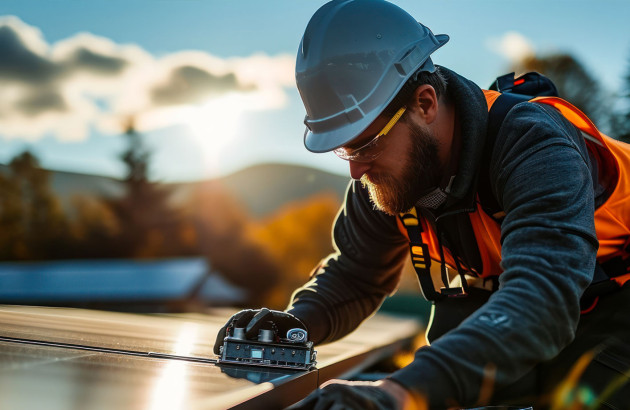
[[425, 103]]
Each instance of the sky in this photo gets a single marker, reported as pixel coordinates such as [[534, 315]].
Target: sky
[[210, 83]]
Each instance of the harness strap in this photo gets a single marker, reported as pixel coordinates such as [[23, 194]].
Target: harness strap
[[609, 276], [420, 257], [501, 106], [421, 261], [498, 110]]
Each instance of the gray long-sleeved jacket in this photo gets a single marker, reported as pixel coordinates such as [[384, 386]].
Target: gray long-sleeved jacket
[[543, 178]]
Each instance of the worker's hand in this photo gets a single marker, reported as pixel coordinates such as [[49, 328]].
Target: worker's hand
[[341, 394], [254, 320]]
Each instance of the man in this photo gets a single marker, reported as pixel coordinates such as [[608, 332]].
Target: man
[[507, 328]]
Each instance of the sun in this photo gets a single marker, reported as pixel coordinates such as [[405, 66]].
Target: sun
[[214, 125]]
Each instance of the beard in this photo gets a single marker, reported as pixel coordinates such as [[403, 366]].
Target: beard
[[421, 172]]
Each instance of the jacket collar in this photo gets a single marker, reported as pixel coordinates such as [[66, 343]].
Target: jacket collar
[[472, 110]]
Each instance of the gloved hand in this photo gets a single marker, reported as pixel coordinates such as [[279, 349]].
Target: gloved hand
[[252, 320], [343, 395]]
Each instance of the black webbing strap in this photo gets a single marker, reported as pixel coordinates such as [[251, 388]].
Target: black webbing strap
[[601, 285], [502, 105], [420, 257], [513, 91], [603, 281]]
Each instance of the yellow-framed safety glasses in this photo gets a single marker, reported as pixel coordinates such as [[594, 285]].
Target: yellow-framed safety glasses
[[369, 151]]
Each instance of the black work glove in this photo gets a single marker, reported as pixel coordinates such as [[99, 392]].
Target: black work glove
[[254, 320], [347, 395]]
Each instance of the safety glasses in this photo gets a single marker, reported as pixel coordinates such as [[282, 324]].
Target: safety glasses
[[369, 151]]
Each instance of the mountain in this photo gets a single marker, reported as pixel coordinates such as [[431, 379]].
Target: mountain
[[261, 188], [264, 188], [68, 184]]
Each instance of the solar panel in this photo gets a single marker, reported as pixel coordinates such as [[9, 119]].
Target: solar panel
[[61, 358]]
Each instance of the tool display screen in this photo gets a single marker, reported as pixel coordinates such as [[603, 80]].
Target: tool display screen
[[257, 354]]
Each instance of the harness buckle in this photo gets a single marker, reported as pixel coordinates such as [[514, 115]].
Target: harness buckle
[[457, 292]]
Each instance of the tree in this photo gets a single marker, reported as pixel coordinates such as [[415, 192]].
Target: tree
[[621, 118], [12, 233], [221, 224], [33, 224], [573, 81], [148, 224], [297, 236], [94, 228]]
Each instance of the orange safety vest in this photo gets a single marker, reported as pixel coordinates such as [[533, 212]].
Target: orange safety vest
[[612, 219]]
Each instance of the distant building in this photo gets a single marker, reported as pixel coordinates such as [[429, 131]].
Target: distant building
[[167, 285]]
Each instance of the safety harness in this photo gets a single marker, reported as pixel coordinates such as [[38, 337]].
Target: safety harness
[[506, 93], [421, 260]]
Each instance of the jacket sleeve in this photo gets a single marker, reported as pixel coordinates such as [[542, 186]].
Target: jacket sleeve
[[351, 283], [540, 174]]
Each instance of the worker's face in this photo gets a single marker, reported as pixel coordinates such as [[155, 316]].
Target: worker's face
[[407, 162], [406, 169]]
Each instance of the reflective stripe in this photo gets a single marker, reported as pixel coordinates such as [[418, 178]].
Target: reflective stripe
[[417, 250]]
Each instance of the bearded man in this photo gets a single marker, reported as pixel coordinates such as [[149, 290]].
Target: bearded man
[[523, 215]]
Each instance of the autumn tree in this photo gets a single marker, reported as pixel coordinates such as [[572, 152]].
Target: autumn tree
[[297, 236], [33, 224], [94, 228], [12, 232], [221, 224]]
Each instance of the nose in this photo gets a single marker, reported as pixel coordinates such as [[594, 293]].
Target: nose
[[358, 169]]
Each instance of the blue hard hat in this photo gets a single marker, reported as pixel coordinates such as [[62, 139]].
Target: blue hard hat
[[353, 59]]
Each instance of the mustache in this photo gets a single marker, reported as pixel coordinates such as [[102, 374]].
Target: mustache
[[374, 179]]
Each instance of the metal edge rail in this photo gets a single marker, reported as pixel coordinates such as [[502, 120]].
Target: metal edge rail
[[62, 345]]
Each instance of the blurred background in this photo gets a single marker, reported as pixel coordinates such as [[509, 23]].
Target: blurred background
[[151, 154]]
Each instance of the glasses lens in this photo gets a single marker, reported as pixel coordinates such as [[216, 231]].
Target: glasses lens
[[366, 153], [343, 153], [369, 151]]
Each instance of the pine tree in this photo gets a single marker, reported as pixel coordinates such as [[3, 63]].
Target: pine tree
[[147, 221]]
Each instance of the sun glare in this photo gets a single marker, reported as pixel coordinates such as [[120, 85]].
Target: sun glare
[[170, 390], [214, 125]]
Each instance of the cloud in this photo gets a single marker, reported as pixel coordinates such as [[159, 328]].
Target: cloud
[[512, 45], [20, 62], [188, 84], [86, 59], [40, 102], [89, 82]]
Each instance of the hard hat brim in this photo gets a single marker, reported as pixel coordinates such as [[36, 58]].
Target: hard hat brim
[[319, 142]]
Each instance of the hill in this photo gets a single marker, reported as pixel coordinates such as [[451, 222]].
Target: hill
[[260, 188], [68, 184], [264, 188]]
